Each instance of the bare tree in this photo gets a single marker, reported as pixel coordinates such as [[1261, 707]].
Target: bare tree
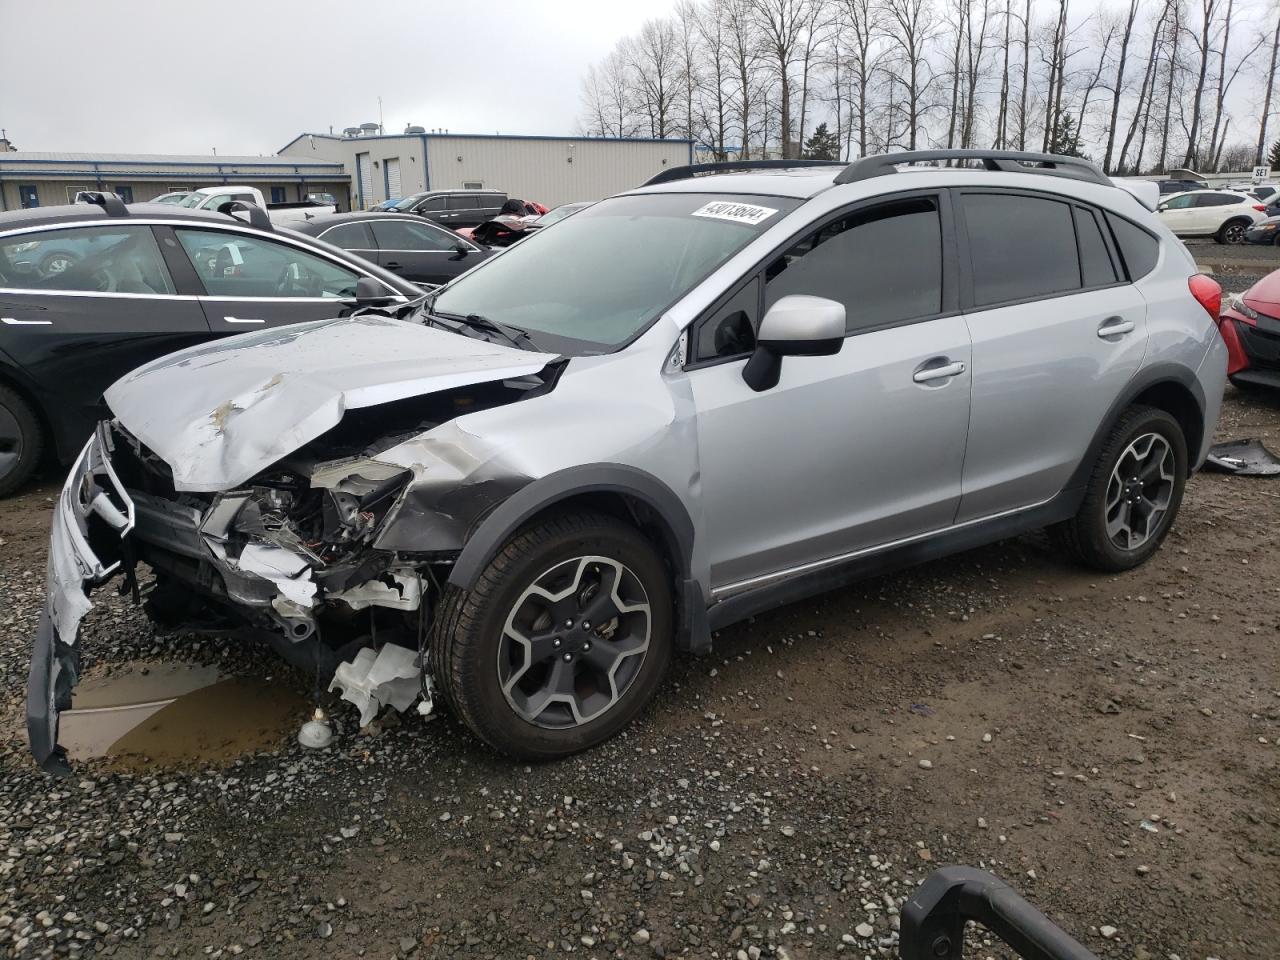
[[1270, 82], [782, 24], [864, 25], [1117, 86], [1023, 117], [911, 27], [1204, 48]]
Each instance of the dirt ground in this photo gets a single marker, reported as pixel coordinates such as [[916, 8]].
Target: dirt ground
[[1106, 744]]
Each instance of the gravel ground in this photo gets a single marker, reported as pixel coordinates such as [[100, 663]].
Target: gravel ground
[[1236, 268], [1107, 744]]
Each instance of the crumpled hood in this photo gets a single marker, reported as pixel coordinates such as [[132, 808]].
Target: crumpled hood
[[222, 412]]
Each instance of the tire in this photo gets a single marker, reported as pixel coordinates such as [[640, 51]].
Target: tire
[[500, 686], [1086, 536], [1232, 232], [21, 440]]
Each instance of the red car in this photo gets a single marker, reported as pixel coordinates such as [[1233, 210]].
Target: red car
[[1250, 325]]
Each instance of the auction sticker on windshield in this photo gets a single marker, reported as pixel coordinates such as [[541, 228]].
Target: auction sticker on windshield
[[747, 213]]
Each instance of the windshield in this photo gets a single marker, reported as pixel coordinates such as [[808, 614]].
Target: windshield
[[406, 203], [606, 273], [192, 199]]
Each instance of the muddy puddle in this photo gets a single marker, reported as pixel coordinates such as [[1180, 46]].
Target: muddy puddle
[[174, 714]]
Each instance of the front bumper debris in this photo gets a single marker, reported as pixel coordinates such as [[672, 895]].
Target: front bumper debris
[[93, 515]]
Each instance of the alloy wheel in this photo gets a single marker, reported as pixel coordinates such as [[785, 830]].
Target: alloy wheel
[[1234, 233], [574, 642], [1140, 490]]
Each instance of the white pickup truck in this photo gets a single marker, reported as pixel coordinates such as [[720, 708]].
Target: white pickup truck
[[210, 198]]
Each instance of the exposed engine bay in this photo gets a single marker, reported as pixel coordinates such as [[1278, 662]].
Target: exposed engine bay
[[296, 556]]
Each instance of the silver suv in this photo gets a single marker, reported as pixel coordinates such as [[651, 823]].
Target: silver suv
[[684, 405]]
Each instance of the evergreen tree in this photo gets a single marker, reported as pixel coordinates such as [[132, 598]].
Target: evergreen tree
[[1273, 158], [822, 145]]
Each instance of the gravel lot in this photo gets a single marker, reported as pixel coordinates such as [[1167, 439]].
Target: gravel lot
[[1108, 745], [1237, 268]]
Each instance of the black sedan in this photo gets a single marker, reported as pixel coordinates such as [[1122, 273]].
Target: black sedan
[[92, 290], [411, 247]]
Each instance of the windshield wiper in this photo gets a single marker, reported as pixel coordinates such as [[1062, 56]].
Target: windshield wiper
[[512, 334]]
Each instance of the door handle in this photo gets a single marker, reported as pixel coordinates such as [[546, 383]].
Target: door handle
[[392, 265], [242, 320], [1115, 327], [10, 321], [926, 374]]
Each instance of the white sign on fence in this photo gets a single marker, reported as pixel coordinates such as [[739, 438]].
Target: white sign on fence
[[1261, 173]]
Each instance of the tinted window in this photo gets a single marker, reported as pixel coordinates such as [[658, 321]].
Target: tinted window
[[1138, 249], [349, 236], [235, 265], [1215, 199], [432, 204], [1095, 260], [884, 264], [731, 330], [89, 259], [493, 199], [1020, 247], [407, 235], [459, 201]]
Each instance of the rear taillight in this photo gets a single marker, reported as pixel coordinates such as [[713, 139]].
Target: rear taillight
[[1259, 206], [1207, 293]]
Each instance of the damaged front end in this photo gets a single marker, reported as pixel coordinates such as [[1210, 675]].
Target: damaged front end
[[331, 555]]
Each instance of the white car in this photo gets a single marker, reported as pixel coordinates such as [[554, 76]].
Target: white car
[[1224, 215]]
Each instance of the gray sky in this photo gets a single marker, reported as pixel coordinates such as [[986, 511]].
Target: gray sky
[[245, 76]]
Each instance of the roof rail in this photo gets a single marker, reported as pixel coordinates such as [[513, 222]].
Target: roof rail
[[257, 216], [1005, 161], [729, 166], [109, 202]]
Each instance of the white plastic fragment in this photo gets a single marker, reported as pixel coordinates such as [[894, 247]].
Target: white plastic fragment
[[375, 679], [316, 734]]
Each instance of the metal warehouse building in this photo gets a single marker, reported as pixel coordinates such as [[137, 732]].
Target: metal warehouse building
[[29, 179], [550, 170]]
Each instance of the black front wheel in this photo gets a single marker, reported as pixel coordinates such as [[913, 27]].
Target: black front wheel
[[563, 640], [21, 441]]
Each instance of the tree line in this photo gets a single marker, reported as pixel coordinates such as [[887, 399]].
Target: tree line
[[1139, 86]]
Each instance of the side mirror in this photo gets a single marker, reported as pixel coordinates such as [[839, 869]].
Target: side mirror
[[461, 248], [795, 326], [370, 293]]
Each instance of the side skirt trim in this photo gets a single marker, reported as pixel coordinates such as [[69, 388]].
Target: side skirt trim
[[840, 572]]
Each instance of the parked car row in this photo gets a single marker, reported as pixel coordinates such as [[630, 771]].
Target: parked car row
[[87, 294]]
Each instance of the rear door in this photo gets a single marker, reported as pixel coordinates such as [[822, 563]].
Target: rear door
[[422, 252], [250, 281], [82, 306], [463, 210], [1057, 333], [851, 451]]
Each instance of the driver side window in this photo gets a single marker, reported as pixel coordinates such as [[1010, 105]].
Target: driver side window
[[236, 265]]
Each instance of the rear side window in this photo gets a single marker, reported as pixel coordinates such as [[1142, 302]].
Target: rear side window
[[1096, 267], [1138, 249], [460, 201], [107, 259], [1021, 247], [883, 263], [349, 236], [1215, 200]]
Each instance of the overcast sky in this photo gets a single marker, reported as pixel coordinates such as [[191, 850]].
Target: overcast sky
[[245, 76]]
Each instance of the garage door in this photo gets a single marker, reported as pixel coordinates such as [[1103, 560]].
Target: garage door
[[392, 170], [365, 175]]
